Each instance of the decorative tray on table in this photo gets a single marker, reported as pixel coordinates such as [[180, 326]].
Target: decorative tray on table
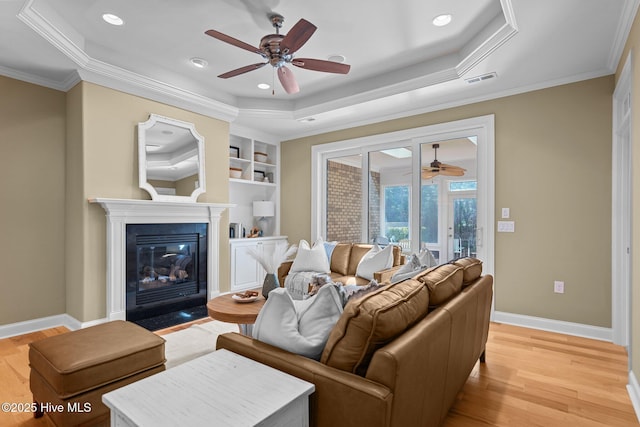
[[246, 296]]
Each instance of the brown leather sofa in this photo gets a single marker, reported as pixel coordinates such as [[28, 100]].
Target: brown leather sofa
[[397, 356], [344, 263]]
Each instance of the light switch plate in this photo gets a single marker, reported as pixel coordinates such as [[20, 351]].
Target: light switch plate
[[506, 226], [505, 213], [558, 287]]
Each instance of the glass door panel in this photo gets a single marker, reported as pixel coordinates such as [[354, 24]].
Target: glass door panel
[[447, 225], [462, 226], [389, 201]]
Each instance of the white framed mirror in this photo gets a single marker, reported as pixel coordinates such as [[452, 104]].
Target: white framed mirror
[[170, 159]]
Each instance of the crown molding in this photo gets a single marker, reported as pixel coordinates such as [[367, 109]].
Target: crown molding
[[630, 9], [30, 78], [45, 22], [118, 78], [417, 110], [507, 30]]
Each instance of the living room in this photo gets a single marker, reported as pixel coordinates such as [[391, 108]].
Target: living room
[[551, 142]]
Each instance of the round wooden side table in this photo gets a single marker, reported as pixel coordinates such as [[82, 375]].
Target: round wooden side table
[[225, 309]]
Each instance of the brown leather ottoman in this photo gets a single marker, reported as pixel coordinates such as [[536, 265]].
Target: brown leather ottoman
[[71, 372]]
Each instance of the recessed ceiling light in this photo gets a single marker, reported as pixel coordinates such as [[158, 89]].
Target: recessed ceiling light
[[112, 19], [199, 62], [442, 20], [307, 119], [337, 58], [264, 86]]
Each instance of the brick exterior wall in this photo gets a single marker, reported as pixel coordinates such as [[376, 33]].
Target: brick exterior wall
[[344, 196], [374, 205]]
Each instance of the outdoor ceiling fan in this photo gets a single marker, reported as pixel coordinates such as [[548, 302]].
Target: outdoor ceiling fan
[[438, 168], [278, 50]]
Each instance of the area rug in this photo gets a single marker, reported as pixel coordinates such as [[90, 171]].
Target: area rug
[[195, 341]]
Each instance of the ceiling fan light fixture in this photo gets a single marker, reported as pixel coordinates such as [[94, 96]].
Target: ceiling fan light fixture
[[264, 86], [442, 20], [198, 62], [337, 58], [112, 19]]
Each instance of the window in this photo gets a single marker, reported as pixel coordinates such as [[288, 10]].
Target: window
[[397, 206], [463, 185], [400, 198], [429, 215]]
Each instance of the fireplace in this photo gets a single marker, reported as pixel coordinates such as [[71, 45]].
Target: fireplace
[[166, 266], [122, 212]]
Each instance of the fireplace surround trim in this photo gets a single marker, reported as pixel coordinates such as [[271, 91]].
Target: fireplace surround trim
[[120, 212]]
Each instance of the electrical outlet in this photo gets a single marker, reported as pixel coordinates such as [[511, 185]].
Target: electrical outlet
[[558, 287]]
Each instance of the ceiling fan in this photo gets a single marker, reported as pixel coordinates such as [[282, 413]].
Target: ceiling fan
[[438, 168], [278, 50]]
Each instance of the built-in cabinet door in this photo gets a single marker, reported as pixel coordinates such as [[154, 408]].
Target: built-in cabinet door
[[244, 268], [246, 271]]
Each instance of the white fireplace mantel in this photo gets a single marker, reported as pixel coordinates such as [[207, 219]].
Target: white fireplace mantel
[[121, 212]]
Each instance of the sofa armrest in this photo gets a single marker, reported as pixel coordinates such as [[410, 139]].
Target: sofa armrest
[[384, 276], [283, 271], [340, 398]]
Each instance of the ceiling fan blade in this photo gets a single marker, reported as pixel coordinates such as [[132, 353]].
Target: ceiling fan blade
[[428, 174], [321, 65], [451, 167], [288, 80], [235, 42], [297, 36], [450, 170], [242, 70]]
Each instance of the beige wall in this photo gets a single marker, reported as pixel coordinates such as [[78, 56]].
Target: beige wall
[[59, 150], [110, 163], [32, 149], [553, 169], [633, 43]]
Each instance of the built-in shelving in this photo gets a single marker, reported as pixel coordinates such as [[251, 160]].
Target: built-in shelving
[[250, 186], [252, 170]]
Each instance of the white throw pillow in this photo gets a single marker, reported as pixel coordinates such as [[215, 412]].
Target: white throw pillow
[[426, 258], [301, 327], [408, 270], [375, 260], [311, 259]]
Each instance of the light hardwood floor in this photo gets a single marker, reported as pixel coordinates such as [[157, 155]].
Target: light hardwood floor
[[531, 378]]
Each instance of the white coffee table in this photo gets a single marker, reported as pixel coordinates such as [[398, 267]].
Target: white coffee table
[[220, 388]]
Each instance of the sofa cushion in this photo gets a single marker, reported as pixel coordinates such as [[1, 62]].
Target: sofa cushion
[[443, 282], [311, 258], [301, 327], [340, 259], [372, 321], [471, 269], [376, 259], [358, 250]]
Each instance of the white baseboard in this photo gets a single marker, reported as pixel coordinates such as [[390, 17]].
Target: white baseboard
[[35, 325], [569, 328], [634, 393]]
